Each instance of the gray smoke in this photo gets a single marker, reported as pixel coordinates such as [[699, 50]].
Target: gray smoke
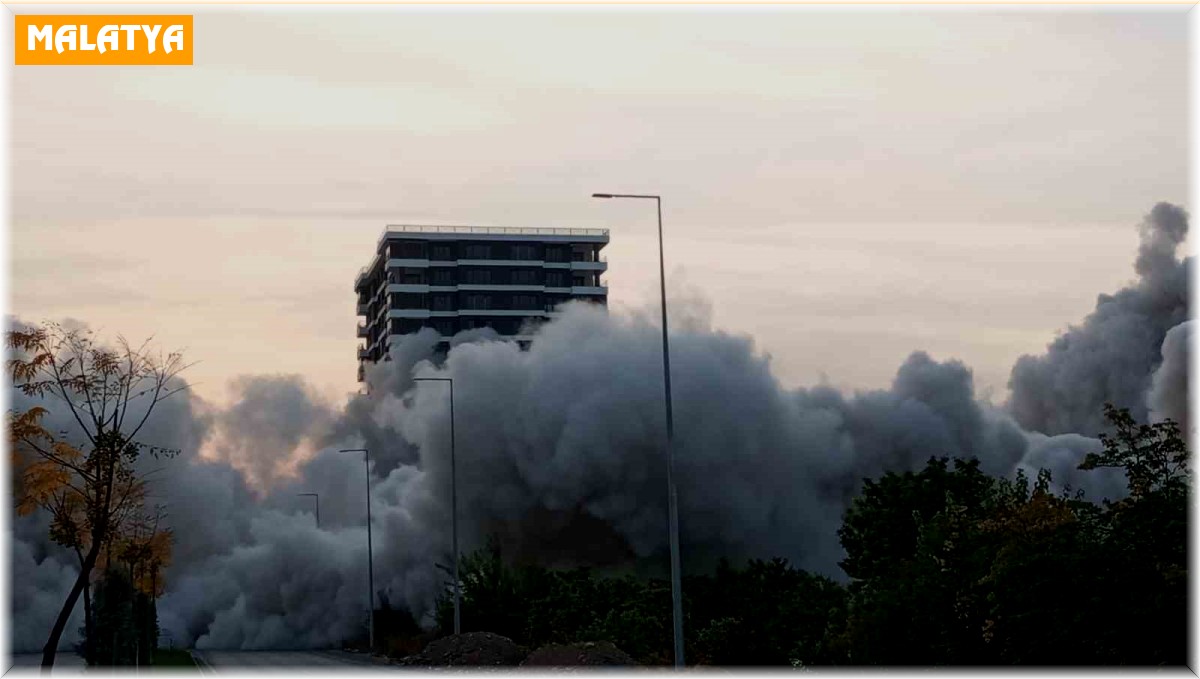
[[1111, 357], [559, 450], [270, 414], [42, 575], [1168, 397], [562, 442]]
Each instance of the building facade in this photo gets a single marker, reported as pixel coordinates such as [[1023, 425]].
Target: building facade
[[455, 278]]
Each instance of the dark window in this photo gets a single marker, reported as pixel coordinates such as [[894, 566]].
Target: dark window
[[525, 277], [479, 301], [443, 302], [478, 251], [556, 254], [524, 252], [525, 302], [442, 276], [408, 250], [478, 276], [412, 276], [409, 300], [442, 252], [556, 279]]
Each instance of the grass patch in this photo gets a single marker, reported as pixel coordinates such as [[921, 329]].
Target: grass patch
[[173, 657]]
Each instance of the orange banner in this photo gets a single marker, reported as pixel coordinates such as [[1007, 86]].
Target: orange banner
[[103, 40]]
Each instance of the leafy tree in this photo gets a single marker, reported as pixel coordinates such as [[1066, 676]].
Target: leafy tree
[[126, 629], [950, 566], [489, 587], [908, 543], [133, 570], [633, 614], [1153, 456], [1144, 544], [48, 485], [947, 566], [88, 484], [768, 613], [1038, 583]]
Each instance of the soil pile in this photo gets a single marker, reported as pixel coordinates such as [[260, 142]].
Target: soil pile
[[589, 653]]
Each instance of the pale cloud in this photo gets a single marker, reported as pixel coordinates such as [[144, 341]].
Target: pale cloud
[[244, 97], [846, 186]]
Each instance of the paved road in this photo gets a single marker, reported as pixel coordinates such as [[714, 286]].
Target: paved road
[[267, 661], [64, 663]]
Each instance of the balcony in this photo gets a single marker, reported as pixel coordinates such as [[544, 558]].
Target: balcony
[[362, 330], [363, 308], [501, 312], [601, 265], [365, 272], [364, 354]]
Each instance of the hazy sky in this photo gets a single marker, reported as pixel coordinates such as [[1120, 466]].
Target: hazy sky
[[845, 186]]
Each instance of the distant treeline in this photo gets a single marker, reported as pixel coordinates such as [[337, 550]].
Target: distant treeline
[[946, 566]]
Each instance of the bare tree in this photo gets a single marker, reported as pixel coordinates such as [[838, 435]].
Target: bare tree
[[88, 481]]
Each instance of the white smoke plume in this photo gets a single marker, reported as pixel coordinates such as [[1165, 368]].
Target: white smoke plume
[[559, 452]]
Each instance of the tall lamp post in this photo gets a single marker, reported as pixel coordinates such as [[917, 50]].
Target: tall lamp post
[[453, 500], [317, 498], [370, 556], [672, 504]]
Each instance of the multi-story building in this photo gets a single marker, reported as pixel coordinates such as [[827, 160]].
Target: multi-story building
[[455, 278]]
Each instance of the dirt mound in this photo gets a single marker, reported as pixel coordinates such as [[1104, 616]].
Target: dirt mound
[[588, 653], [472, 648]]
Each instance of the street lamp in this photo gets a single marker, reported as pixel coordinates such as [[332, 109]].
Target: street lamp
[[453, 500], [317, 498], [370, 557], [672, 504]]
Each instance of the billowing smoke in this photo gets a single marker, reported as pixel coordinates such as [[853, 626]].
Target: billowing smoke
[[1111, 357], [42, 575], [270, 415], [1168, 397], [559, 453]]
